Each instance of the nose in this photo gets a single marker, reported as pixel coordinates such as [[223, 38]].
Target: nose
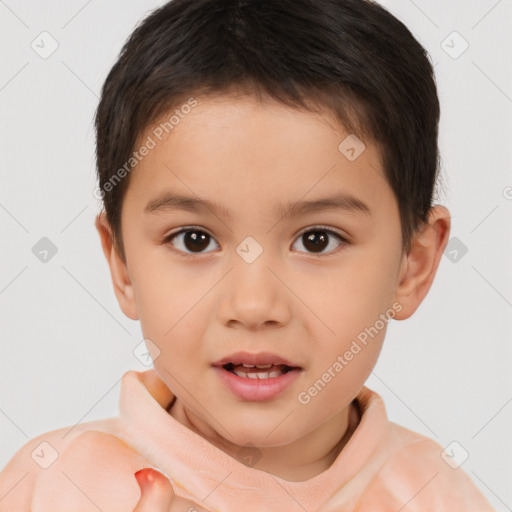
[[254, 296]]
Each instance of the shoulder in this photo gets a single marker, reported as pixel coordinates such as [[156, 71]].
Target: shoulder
[[87, 463], [420, 470]]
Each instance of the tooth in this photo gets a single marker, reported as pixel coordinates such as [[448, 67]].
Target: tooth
[[246, 375], [248, 365], [259, 375]]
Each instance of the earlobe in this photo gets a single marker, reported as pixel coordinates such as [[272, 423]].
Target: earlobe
[[422, 261], [121, 281]]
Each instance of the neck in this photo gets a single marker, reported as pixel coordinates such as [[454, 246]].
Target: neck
[[298, 461]]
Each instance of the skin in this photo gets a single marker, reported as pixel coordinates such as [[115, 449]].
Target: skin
[[306, 306], [157, 494]]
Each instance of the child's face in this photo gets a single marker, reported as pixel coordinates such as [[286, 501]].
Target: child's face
[[202, 299]]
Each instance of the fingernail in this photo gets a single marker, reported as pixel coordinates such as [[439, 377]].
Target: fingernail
[[149, 475], [141, 477], [145, 476]]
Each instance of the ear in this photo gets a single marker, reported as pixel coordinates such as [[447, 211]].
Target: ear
[[123, 287], [420, 265]]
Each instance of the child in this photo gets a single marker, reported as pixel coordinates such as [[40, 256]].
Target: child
[[294, 144]]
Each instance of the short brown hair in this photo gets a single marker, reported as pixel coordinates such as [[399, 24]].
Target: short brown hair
[[351, 56]]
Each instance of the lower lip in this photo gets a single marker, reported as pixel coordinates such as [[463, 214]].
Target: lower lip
[[257, 390]]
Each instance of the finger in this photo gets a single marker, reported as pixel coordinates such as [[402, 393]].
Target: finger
[[157, 492]]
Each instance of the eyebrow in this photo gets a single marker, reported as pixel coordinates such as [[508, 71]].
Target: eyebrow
[[341, 201]]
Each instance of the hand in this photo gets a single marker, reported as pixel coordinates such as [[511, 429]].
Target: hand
[[158, 494]]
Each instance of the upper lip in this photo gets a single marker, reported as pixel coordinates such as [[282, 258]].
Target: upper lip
[[257, 358]]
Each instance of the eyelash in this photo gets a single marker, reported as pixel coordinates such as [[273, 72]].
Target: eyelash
[[324, 229]]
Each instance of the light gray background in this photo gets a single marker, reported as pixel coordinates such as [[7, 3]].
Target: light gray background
[[65, 343]]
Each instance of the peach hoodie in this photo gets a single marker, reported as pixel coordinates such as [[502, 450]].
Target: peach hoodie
[[384, 467]]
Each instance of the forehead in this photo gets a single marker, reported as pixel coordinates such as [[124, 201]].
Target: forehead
[[242, 149]]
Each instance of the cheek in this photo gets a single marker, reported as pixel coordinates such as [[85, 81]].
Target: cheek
[[351, 297], [335, 383], [164, 291], [169, 302], [353, 302], [342, 367]]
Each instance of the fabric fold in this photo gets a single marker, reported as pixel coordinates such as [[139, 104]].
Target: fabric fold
[[382, 467]]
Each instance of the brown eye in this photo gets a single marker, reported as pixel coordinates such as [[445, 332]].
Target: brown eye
[[318, 239], [192, 241]]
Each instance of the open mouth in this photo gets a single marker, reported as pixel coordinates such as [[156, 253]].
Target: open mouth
[[257, 382], [267, 371]]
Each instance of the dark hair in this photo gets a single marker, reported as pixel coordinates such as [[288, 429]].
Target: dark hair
[[351, 57]]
